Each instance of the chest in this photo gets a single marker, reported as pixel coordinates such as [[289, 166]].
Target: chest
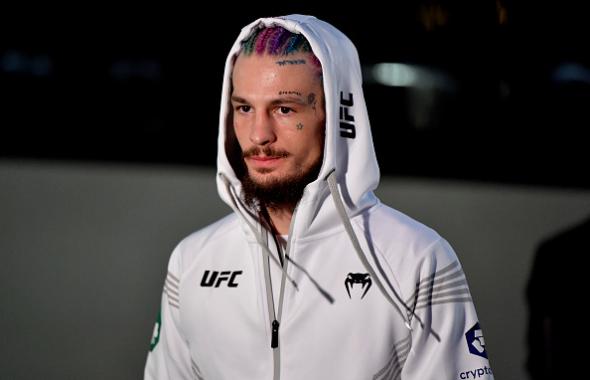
[[331, 312]]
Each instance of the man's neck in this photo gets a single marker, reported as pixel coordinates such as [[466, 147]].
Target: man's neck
[[280, 219]]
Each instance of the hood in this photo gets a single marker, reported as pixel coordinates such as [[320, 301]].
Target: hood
[[349, 154]]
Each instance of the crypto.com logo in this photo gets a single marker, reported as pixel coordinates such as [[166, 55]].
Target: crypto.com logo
[[475, 341]]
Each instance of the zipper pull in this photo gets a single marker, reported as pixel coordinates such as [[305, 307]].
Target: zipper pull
[[275, 334]]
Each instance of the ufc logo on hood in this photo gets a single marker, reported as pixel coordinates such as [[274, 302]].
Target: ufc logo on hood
[[347, 128], [209, 278]]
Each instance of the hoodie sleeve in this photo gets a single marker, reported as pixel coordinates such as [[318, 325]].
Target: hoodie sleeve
[[169, 357], [447, 339]]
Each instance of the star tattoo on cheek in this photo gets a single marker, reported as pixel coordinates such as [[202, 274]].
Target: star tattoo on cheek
[[299, 126]]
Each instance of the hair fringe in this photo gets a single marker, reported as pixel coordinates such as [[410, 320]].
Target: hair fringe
[[277, 40], [262, 40]]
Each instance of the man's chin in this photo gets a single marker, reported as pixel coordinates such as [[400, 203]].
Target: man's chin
[[266, 179], [274, 188], [260, 171], [272, 191]]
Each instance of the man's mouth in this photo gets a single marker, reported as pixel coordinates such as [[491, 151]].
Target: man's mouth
[[264, 158], [263, 154], [264, 163]]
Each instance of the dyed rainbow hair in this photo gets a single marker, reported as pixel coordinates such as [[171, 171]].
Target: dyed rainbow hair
[[277, 40]]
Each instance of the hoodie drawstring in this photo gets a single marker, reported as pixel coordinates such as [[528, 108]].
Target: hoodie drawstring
[[235, 200], [331, 178]]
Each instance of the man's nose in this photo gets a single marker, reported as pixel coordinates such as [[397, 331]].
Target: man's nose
[[262, 131]]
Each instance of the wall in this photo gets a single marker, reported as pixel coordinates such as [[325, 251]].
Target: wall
[[84, 249]]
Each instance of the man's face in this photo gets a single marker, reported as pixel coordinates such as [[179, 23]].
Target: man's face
[[278, 116]]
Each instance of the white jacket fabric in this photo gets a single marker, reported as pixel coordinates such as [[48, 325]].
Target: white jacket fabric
[[365, 293]]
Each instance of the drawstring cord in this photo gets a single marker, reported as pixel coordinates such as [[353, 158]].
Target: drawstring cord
[[331, 178], [235, 199], [335, 193]]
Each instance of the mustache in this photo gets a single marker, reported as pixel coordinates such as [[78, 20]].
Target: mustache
[[267, 151]]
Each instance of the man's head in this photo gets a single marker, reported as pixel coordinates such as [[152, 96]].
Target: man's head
[[278, 116]]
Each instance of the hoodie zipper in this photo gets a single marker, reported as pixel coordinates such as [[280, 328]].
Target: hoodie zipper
[[274, 343], [275, 324]]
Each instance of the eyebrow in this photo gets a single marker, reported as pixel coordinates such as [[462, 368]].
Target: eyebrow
[[274, 102], [237, 99]]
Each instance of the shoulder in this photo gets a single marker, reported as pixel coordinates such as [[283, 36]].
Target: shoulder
[[568, 239], [392, 229], [201, 241], [210, 233], [405, 243], [409, 249]]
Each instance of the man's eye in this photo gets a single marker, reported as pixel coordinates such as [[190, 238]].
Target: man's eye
[[285, 110], [243, 108]]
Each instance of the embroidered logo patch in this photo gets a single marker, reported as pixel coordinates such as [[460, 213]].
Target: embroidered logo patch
[[475, 341]]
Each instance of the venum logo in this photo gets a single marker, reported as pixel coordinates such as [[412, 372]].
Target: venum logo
[[347, 128], [363, 279], [475, 341], [209, 278]]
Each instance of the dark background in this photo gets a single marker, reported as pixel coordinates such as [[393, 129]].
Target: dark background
[[94, 98], [141, 83]]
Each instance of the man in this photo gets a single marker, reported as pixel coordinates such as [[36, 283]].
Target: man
[[557, 280], [311, 277]]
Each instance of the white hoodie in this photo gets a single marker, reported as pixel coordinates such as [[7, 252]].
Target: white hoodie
[[365, 293]]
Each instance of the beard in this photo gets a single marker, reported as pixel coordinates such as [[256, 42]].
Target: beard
[[277, 192]]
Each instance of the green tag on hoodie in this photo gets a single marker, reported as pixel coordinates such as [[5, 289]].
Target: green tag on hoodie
[[156, 333]]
